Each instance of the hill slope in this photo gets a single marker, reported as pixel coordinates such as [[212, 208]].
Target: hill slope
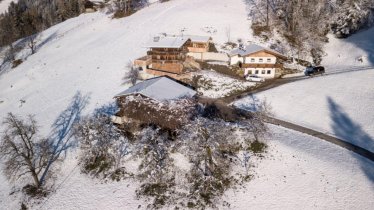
[[88, 54]]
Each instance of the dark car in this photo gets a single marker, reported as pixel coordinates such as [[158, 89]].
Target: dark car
[[314, 70]]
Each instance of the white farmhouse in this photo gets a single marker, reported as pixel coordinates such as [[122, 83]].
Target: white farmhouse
[[257, 60]]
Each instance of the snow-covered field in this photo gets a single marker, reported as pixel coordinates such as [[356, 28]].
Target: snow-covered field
[[303, 172], [356, 50], [88, 55], [216, 85], [340, 105]]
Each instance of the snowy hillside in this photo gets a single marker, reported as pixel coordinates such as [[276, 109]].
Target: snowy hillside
[[357, 50], [87, 55], [4, 4]]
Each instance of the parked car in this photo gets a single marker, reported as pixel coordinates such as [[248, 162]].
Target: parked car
[[254, 78], [314, 70]]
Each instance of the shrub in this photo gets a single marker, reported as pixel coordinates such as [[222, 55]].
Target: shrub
[[257, 147], [16, 63]]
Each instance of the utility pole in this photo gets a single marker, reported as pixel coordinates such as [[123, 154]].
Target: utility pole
[[267, 13]]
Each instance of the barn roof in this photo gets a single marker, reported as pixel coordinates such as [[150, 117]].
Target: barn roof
[[253, 48], [195, 38], [160, 89], [166, 42]]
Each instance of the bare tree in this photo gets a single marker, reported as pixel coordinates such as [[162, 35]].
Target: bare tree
[[228, 33], [10, 54], [132, 74], [32, 43], [26, 153], [23, 151]]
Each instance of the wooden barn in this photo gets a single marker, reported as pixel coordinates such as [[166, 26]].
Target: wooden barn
[[160, 101], [199, 44], [168, 54]]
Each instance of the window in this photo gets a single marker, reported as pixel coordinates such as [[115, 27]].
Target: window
[[256, 72], [252, 60], [249, 71], [260, 60], [269, 71], [269, 60], [263, 72]]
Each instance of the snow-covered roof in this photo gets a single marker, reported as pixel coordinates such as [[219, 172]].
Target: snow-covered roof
[[160, 89], [195, 38], [166, 42], [253, 48]]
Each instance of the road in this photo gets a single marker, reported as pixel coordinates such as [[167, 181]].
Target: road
[[273, 83], [278, 82], [356, 149]]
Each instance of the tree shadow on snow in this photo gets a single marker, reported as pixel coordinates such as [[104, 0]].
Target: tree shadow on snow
[[345, 128], [62, 127], [109, 109], [61, 137]]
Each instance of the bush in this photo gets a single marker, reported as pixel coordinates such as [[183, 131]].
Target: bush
[[121, 14], [16, 63], [257, 147], [33, 191], [259, 30]]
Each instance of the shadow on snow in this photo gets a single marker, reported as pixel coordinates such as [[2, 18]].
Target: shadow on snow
[[345, 128], [61, 136]]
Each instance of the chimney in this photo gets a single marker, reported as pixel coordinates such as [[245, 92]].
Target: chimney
[[156, 39]]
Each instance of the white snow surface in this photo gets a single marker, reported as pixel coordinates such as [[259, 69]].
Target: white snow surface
[[354, 51], [217, 85], [339, 105], [5, 4], [303, 172], [307, 173], [89, 54]]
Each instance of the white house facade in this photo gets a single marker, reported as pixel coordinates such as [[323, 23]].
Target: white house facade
[[256, 60]]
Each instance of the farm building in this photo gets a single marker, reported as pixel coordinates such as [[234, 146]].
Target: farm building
[[258, 60], [167, 54], [172, 55], [161, 100], [199, 44]]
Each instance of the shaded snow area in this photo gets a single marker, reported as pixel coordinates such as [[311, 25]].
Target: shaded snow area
[[215, 85], [356, 50], [4, 4], [303, 172], [340, 105]]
